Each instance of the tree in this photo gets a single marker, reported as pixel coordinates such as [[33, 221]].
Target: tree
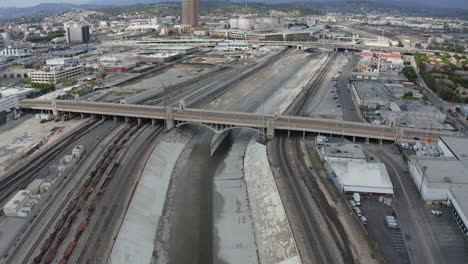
[[409, 72], [65, 81], [408, 96], [400, 44]]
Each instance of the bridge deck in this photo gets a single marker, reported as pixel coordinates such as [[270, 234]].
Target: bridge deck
[[238, 119]]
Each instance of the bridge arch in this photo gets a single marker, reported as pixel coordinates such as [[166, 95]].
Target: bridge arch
[[219, 129]]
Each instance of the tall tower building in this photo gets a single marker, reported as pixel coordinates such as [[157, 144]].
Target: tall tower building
[[76, 33], [190, 12]]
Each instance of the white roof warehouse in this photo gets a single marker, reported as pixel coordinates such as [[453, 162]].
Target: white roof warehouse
[[357, 175]]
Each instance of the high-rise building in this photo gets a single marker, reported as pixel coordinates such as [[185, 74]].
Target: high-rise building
[[77, 34], [190, 13]]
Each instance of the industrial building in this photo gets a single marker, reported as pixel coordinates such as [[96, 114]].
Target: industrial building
[[457, 198], [384, 103], [349, 169], [15, 207], [8, 103], [435, 175], [55, 74], [21, 92], [190, 13], [227, 45], [261, 35], [77, 33], [62, 61], [14, 52], [171, 49]]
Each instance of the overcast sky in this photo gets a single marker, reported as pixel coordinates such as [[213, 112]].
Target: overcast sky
[[23, 3]]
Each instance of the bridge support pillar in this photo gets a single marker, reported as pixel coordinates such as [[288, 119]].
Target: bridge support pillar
[[380, 142], [82, 116], [169, 120], [116, 119], [289, 133], [270, 128], [367, 140], [127, 119], [93, 116], [354, 139], [153, 122], [54, 108], [139, 121], [103, 117]]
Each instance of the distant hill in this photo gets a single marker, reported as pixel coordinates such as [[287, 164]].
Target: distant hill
[[43, 9], [404, 6]]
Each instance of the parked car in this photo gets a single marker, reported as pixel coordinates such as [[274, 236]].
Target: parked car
[[352, 203], [436, 213], [363, 220], [357, 211]]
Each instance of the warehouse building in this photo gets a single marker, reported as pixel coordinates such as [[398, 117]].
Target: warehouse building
[[172, 49], [458, 200], [227, 45], [62, 61], [357, 175], [434, 176], [347, 166], [15, 207]]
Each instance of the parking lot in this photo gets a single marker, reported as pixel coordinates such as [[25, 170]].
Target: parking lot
[[449, 237], [390, 241], [429, 239]]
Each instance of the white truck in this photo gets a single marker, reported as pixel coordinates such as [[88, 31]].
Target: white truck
[[357, 199]]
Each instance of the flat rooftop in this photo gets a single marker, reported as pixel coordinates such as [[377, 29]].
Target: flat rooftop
[[458, 146], [372, 92], [360, 176], [341, 150], [444, 170]]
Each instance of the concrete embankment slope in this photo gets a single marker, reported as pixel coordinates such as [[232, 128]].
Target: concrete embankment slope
[[135, 242], [273, 235]]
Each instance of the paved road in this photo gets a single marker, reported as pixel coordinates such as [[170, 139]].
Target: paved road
[[350, 113], [425, 240]]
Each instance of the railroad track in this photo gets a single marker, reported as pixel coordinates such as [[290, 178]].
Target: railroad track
[[97, 243], [208, 88], [48, 205], [303, 188], [81, 198], [21, 177]]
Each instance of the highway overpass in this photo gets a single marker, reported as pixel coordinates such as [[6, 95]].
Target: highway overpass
[[222, 121]]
